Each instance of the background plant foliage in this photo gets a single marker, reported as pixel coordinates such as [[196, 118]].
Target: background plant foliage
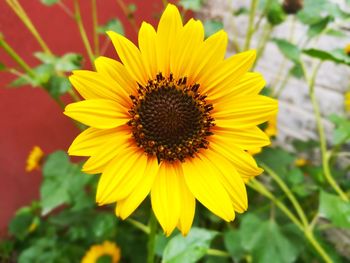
[[299, 208]]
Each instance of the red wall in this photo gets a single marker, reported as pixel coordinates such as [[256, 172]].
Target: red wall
[[28, 115]]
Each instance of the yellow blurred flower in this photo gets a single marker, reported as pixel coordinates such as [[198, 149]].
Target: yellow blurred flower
[[347, 101], [301, 162], [34, 159], [347, 49], [106, 249]]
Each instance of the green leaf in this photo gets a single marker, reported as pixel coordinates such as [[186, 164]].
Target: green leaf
[[194, 5], [255, 233], [212, 26], [190, 248], [297, 71], [335, 209], [316, 28], [337, 56], [20, 224], [57, 86], [289, 50], [42, 75], [295, 176], [69, 62], [275, 13], [112, 25], [49, 2], [62, 181], [234, 245], [312, 11], [132, 8], [341, 133]]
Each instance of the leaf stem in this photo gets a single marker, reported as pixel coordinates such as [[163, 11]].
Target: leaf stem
[[250, 29], [139, 225], [289, 194], [95, 25], [13, 54], [17, 8], [82, 31], [217, 253], [127, 14], [323, 142], [151, 238], [263, 41]]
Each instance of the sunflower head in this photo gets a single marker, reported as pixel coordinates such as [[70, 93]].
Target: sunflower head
[[175, 119], [107, 252], [292, 6], [34, 159]]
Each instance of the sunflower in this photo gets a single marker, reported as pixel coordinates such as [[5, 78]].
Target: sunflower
[[105, 252], [347, 49], [34, 159], [175, 119]]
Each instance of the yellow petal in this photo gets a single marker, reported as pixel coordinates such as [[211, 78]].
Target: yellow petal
[[167, 32], [166, 197], [203, 182], [121, 175], [227, 73], [130, 55], [126, 206], [244, 163], [101, 114], [147, 45], [108, 151], [245, 111], [245, 138], [230, 179], [249, 85], [188, 204], [207, 56], [190, 38], [91, 140], [116, 71], [93, 85]]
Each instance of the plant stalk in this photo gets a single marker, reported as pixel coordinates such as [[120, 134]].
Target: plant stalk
[[250, 29], [151, 238]]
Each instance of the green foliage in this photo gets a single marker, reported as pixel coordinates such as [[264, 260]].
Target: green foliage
[[289, 50], [337, 56], [112, 25], [335, 209], [275, 13], [190, 248], [341, 133], [212, 26], [251, 238], [63, 183], [2, 66], [194, 5]]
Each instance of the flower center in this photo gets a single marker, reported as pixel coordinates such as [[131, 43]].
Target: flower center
[[170, 119]]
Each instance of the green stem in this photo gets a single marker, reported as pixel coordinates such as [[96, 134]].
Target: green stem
[[13, 54], [127, 14], [139, 225], [82, 31], [17, 8], [289, 194], [250, 29], [263, 41], [151, 239], [217, 253], [310, 236], [323, 142], [95, 25], [260, 188]]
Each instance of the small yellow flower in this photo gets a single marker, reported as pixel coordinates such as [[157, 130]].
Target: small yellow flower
[[347, 101], [175, 119], [33, 226], [34, 159], [106, 249], [301, 162], [347, 49]]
